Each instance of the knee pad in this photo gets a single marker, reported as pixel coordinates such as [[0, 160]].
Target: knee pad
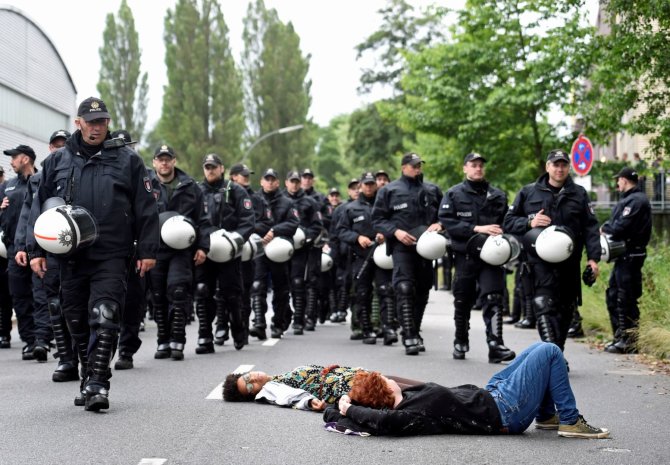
[[158, 298], [544, 305], [53, 305], [494, 299], [405, 288], [385, 290], [623, 297], [105, 314], [178, 293], [257, 287], [201, 291], [297, 283]]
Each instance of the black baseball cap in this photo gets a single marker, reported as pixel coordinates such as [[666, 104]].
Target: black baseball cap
[[307, 172], [270, 173], [240, 168], [58, 134], [92, 108], [24, 149], [368, 177], [353, 181], [164, 150], [628, 173], [382, 173], [411, 159], [334, 190], [558, 155], [292, 175], [125, 135], [472, 156], [212, 159]]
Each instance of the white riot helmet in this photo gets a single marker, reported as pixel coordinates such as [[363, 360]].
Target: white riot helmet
[[326, 262], [3, 248], [224, 246], [383, 261], [499, 249], [279, 250], [252, 248], [299, 238], [553, 244], [432, 245], [610, 249], [177, 231], [64, 229]]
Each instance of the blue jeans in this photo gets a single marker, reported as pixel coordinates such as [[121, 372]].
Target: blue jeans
[[534, 386]]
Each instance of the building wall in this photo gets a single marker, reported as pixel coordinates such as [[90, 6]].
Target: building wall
[[37, 94]]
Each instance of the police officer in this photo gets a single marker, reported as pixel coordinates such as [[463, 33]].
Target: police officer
[[403, 210], [110, 181], [276, 218], [341, 254], [355, 228], [554, 199], [305, 264], [219, 285], [630, 222], [327, 298], [5, 297], [240, 173], [171, 280], [469, 208], [307, 185], [32, 319]]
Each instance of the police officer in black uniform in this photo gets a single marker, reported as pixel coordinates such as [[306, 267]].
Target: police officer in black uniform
[[555, 199], [240, 173], [403, 210], [5, 297], [469, 208], [305, 264], [172, 279], [219, 285], [630, 222], [276, 218], [356, 229], [33, 320], [110, 181]]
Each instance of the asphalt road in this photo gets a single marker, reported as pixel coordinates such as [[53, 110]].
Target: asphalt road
[[170, 412]]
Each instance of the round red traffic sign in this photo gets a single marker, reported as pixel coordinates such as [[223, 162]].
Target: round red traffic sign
[[582, 155]]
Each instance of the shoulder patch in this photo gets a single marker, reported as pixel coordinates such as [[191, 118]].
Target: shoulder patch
[[247, 204], [147, 183], [626, 211]]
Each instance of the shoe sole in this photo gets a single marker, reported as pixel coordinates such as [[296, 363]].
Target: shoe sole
[[568, 434], [63, 377], [546, 427], [97, 403]]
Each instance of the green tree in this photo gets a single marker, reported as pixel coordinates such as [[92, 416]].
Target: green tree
[[281, 91], [121, 84], [203, 108], [492, 86], [630, 84], [375, 141], [330, 162]]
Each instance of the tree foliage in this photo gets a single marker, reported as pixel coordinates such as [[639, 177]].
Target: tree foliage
[[121, 84], [203, 109], [374, 141], [492, 86], [630, 84], [276, 72]]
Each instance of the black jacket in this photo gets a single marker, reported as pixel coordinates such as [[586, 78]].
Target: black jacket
[[275, 211], [571, 208], [187, 200], [356, 220], [16, 190], [113, 185], [631, 221], [227, 205], [426, 409], [22, 231], [463, 208], [310, 213]]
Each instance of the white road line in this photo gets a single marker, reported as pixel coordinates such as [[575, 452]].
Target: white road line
[[270, 342], [216, 394], [152, 461], [243, 369]]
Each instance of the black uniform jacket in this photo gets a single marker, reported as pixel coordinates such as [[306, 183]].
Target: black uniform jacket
[[275, 211], [227, 205], [631, 221], [356, 220], [16, 190], [463, 208], [187, 200], [310, 213], [406, 203], [426, 409], [113, 185], [20, 237], [571, 208]]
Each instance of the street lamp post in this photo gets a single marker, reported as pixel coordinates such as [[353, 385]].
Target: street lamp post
[[269, 134]]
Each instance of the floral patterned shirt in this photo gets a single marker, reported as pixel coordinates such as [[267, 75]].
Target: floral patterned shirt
[[325, 383]]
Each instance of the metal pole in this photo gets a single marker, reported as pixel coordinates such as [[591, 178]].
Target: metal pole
[[269, 134]]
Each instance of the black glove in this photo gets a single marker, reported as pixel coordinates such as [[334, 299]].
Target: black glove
[[588, 276]]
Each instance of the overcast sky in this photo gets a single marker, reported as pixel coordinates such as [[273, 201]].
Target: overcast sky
[[328, 30]]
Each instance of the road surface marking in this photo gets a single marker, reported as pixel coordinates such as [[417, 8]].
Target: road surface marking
[[152, 461], [270, 342]]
